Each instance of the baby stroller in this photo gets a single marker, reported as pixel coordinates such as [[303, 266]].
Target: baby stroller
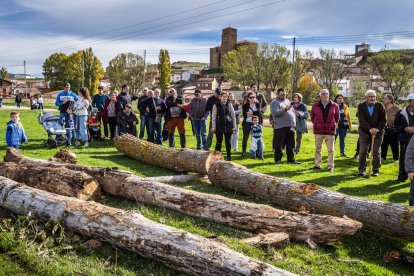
[[56, 134]]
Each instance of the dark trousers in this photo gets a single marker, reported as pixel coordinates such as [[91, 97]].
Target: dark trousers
[[150, 129], [247, 128], [284, 137], [411, 199], [392, 141], [112, 126], [227, 140], [402, 174], [364, 143]]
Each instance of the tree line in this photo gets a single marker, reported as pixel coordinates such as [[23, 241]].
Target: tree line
[[127, 68], [270, 66]]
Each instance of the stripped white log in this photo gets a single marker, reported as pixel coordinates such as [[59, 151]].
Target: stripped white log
[[178, 249]]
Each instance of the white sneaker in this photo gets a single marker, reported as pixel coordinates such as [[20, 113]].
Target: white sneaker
[[86, 145]]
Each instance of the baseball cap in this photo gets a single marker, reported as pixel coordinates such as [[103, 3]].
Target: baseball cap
[[197, 91], [128, 105]]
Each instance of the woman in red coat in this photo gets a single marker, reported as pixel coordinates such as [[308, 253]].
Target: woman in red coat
[[324, 116], [110, 112]]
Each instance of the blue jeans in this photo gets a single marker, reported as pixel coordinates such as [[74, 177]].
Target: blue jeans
[[61, 116], [150, 129], [81, 128], [70, 136], [411, 199], [200, 132], [342, 134], [142, 125]]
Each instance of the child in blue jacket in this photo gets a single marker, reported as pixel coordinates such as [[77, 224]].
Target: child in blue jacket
[[15, 135]]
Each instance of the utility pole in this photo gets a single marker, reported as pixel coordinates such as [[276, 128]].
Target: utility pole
[[25, 78], [293, 70], [145, 69], [83, 68]]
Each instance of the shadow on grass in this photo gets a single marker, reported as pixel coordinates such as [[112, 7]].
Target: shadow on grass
[[374, 189]]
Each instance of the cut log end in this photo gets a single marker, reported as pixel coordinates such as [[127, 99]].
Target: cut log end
[[64, 156], [278, 240]]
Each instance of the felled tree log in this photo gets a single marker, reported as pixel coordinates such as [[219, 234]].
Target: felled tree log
[[59, 180], [180, 160], [178, 249], [376, 216], [248, 216], [184, 178]]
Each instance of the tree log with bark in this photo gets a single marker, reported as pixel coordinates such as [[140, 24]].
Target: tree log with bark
[[376, 216], [59, 180], [252, 217], [177, 249], [180, 160]]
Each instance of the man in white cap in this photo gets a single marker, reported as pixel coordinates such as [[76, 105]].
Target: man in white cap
[[404, 124], [372, 119]]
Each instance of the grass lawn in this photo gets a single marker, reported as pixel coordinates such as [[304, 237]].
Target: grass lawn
[[360, 254]]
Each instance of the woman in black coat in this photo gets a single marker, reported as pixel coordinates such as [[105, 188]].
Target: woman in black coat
[[223, 123], [250, 108]]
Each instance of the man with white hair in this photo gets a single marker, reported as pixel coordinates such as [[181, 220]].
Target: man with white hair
[[404, 124], [324, 116], [372, 119]]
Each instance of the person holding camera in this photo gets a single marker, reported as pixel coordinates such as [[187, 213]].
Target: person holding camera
[[223, 123], [284, 124], [344, 123], [175, 117]]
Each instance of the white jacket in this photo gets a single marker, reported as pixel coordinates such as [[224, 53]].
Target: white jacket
[[81, 106]]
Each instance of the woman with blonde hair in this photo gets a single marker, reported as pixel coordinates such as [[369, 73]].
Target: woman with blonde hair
[[81, 108]]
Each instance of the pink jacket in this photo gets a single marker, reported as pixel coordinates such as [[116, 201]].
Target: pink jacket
[[319, 124]]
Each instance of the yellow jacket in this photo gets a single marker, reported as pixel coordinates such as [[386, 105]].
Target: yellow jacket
[[347, 116]]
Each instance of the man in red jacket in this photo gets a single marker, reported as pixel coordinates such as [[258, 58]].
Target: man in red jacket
[[324, 116]]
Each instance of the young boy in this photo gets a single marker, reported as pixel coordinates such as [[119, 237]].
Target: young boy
[[69, 122], [15, 135], [256, 146], [127, 121], [94, 125]]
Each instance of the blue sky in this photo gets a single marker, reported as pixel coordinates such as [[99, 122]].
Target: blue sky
[[32, 30]]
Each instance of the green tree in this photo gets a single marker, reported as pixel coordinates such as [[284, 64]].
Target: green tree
[[330, 69], [396, 69], [4, 74], [358, 89], [94, 70], [276, 68], [128, 68], [60, 68], [308, 88], [239, 66], [164, 69], [54, 70]]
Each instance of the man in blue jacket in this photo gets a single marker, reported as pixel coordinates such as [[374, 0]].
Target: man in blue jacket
[[98, 101], [65, 99]]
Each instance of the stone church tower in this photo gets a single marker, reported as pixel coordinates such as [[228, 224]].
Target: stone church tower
[[228, 43]]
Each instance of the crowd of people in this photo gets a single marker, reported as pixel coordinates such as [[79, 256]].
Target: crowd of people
[[381, 125]]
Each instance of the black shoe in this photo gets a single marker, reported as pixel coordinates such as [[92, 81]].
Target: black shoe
[[356, 156], [344, 155], [278, 162], [362, 173], [294, 162], [243, 154], [316, 167], [402, 179], [375, 173]]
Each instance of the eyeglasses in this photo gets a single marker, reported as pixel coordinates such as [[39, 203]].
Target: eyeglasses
[[252, 97]]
